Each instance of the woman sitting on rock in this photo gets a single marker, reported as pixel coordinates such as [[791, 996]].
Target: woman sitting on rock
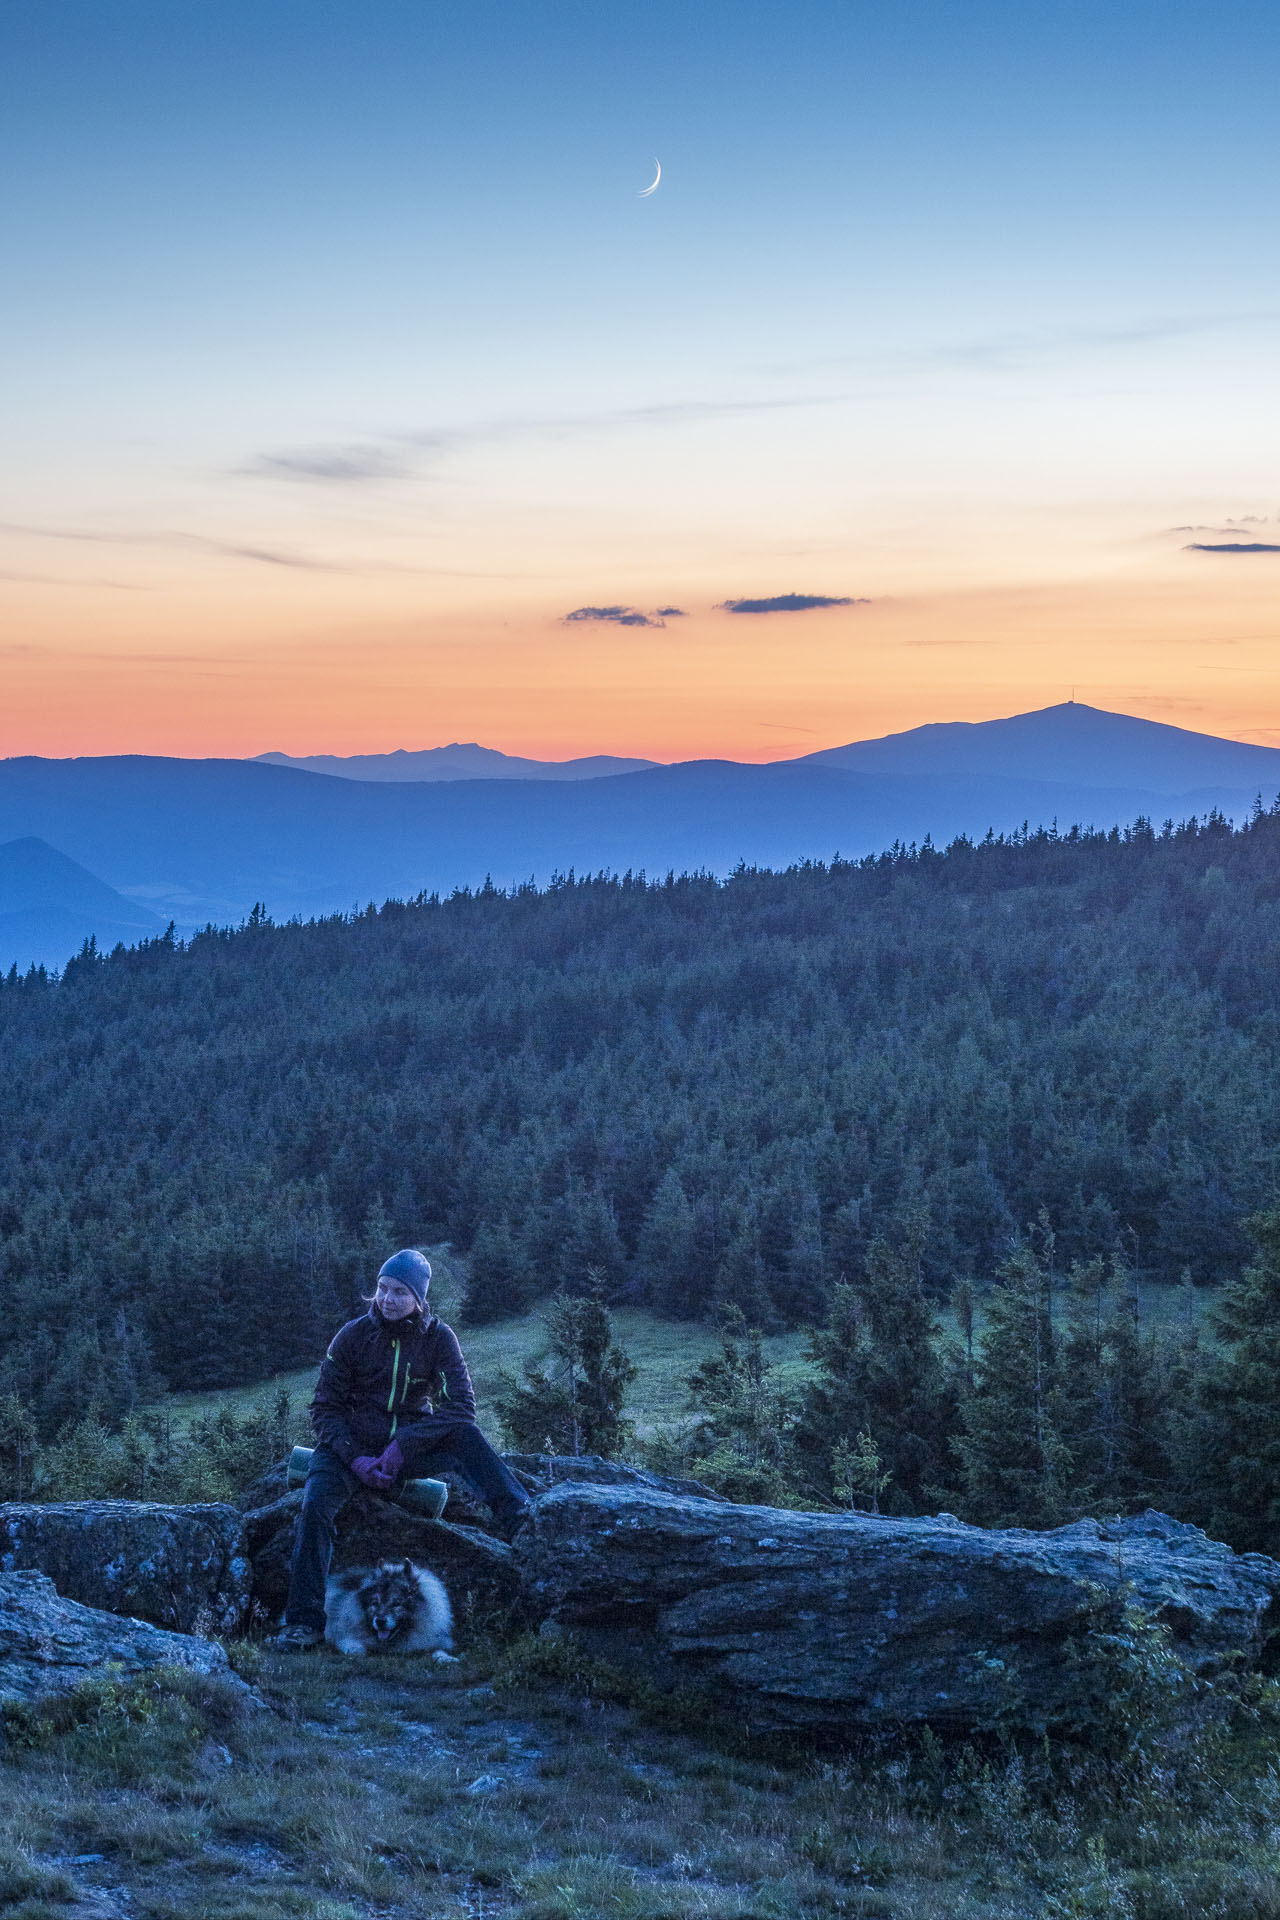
[[376, 1425]]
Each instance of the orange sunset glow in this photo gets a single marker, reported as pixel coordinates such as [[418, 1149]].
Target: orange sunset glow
[[237, 674]]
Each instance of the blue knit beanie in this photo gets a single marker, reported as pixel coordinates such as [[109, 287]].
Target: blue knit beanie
[[411, 1268]]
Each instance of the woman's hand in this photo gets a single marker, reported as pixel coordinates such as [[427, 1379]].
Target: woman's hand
[[391, 1461], [369, 1472]]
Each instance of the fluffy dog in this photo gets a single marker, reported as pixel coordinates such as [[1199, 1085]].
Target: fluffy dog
[[388, 1609]]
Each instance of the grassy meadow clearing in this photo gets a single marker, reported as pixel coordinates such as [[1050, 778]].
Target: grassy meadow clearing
[[664, 1353]]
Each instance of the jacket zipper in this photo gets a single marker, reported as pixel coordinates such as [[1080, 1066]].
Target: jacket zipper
[[391, 1397]]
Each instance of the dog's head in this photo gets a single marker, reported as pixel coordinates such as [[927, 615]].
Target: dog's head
[[389, 1599]]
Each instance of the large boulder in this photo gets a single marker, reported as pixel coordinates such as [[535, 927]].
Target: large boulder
[[846, 1622], [184, 1568], [478, 1571], [49, 1644], [538, 1472]]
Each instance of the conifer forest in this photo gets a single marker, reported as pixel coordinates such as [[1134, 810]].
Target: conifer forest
[[951, 1112]]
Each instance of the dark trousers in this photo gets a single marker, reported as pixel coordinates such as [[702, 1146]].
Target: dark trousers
[[427, 1444]]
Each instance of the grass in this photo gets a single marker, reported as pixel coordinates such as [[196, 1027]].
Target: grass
[[664, 1351], [530, 1783]]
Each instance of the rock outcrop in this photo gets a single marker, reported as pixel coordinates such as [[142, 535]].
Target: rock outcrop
[[49, 1644], [180, 1567], [847, 1622], [479, 1571], [539, 1472]]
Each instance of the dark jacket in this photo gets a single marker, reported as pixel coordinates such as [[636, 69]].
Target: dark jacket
[[378, 1374]]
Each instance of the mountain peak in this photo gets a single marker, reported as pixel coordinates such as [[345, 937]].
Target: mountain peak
[[1071, 742]]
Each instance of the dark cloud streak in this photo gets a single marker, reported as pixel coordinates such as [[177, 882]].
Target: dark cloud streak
[[621, 616], [1231, 546], [789, 603]]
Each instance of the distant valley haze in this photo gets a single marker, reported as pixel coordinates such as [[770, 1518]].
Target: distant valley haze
[[118, 845]]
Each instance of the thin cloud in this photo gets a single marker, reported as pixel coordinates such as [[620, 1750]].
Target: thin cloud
[[671, 613], [58, 580], [789, 603], [192, 542], [1204, 529], [1230, 531], [401, 456], [1015, 349], [1231, 546], [666, 413], [330, 465], [1032, 347], [235, 550], [620, 616]]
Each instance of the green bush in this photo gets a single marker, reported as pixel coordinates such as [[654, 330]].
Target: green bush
[[148, 1459]]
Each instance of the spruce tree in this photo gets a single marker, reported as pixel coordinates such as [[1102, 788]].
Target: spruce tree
[[499, 1282], [879, 1372], [17, 1446], [740, 1444], [664, 1263], [1239, 1412], [571, 1399], [1013, 1457], [1110, 1395], [591, 1242]]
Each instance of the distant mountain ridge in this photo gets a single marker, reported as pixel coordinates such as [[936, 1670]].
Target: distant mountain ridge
[[203, 840], [1070, 742], [461, 760]]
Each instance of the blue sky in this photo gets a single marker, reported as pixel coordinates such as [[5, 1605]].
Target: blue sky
[[931, 301]]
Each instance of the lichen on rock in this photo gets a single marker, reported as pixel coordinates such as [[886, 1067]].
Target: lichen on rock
[[49, 1644]]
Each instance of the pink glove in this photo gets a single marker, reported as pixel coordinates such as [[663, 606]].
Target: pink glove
[[391, 1461], [368, 1472]]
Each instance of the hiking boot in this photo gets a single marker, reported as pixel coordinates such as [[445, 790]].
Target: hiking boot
[[508, 1522], [298, 1639]]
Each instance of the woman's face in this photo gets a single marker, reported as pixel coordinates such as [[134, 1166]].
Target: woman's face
[[393, 1301]]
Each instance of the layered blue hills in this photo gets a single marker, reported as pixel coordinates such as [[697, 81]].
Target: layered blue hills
[[49, 905], [202, 840]]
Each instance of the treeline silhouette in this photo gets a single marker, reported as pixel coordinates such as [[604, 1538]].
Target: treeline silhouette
[[712, 1094]]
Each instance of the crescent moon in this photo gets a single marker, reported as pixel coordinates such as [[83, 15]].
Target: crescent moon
[[646, 191]]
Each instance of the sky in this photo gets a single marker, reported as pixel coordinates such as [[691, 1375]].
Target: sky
[[355, 395]]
